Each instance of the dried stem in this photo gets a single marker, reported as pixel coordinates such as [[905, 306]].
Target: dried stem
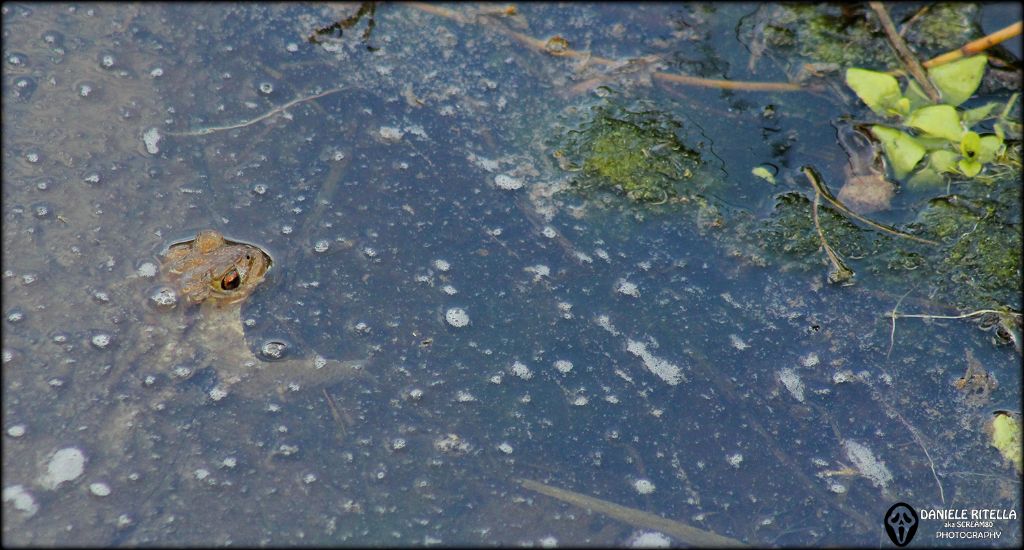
[[976, 46], [819, 187], [542, 46], [906, 56]]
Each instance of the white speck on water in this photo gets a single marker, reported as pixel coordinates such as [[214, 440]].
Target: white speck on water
[[22, 499], [272, 349], [738, 342], [218, 393], [147, 269], [456, 317], [229, 462], [734, 460], [463, 396], [15, 316], [605, 322], [668, 372], [287, 229], [810, 360], [201, 473], [309, 478], [563, 366], [291, 47], [156, 73], [793, 383], [398, 443], [643, 486], [415, 394], [321, 246], [319, 361], [538, 271], [65, 465], [580, 401], [164, 297], [92, 178], [151, 138], [625, 287], [611, 399], [16, 430], [496, 379], [649, 539], [600, 253], [391, 133], [549, 232], [844, 376], [449, 290], [505, 448], [369, 252], [565, 308], [100, 340], [32, 157], [836, 487], [84, 90], [99, 489], [870, 467], [507, 182], [442, 265], [548, 542], [521, 370], [181, 371], [124, 520]]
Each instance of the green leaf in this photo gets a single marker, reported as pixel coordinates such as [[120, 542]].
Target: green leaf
[[937, 120], [970, 145], [916, 95], [970, 168], [957, 81], [764, 173], [902, 150], [989, 148], [933, 143], [878, 91], [925, 178], [943, 161], [976, 115]]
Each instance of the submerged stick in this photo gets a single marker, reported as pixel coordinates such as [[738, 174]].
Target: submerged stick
[[909, 59], [839, 273], [638, 518], [815, 180], [543, 46], [264, 116]]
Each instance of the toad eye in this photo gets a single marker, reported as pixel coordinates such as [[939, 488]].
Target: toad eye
[[231, 280]]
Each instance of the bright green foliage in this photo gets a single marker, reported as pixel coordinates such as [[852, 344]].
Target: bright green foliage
[[879, 91], [1005, 430], [960, 79], [903, 151], [939, 121], [943, 132]]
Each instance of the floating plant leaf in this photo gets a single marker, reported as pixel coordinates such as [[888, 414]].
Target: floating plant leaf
[[971, 117], [958, 80], [902, 150], [988, 148], [943, 161], [937, 120], [878, 91], [1005, 432]]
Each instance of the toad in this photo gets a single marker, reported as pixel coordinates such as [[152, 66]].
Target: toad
[[217, 275]]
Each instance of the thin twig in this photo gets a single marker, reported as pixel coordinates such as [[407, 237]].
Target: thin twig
[[815, 180], [839, 272], [909, 59], [264, 116], [964, 316], [892, 333], [542, 46], [976, 46], [931, 463]]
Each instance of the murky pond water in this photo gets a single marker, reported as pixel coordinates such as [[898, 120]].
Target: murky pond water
[[510, 329]]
